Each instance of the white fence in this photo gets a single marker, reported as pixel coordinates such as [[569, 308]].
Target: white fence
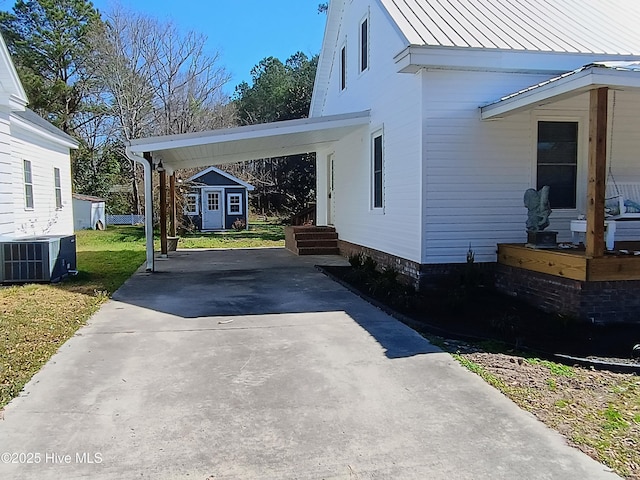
[[124, 219]]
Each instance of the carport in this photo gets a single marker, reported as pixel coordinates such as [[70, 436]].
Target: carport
[[169, 153]]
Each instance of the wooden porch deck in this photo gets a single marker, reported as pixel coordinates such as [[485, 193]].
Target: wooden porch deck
[[573, 263]]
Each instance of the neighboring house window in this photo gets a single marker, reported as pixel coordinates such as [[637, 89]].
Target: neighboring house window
[[58, 187], [234, 204], [343, 67], [191, 204], [377, 170], [557, 162], [28, 184], [364, 45]]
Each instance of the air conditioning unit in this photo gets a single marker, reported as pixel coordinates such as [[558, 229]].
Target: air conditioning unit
[[37, 259]]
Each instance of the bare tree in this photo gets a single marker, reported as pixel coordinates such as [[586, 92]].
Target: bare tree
[[160, 81]]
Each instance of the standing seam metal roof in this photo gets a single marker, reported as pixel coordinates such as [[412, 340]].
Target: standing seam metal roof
[[576, 26]]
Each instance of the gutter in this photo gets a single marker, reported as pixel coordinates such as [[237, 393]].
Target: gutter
[[148, 205]]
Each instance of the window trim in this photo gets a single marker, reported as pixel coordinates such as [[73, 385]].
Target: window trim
[[582, 146], [186, 204], [342, 80], [373, 183], [57, 182], [230, 204], [28, 185], [364, 43]]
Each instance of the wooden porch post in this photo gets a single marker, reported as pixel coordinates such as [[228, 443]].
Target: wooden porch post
[[173, 228], [594, 237], [163, 211]]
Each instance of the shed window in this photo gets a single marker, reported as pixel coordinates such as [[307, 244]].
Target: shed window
[[28, 184], [377, 171], [234, 204], [364, 45], [343, 67], [557, 162], [191, 204], [58, 187]]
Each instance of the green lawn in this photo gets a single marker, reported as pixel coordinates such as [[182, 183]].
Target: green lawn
[[36, 319]]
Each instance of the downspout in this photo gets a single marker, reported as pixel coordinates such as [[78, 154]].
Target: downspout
[[148, 205]]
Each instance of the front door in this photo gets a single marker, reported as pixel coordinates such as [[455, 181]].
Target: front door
[[211, 209], [331, 207]]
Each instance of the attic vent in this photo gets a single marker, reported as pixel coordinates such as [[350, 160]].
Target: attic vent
[[43, 259]]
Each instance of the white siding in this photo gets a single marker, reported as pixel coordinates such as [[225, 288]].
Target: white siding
[[477, 171], [394, 100], [6, 180], [44, 218]]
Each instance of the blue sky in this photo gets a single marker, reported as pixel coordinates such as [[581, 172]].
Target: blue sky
[[242, 31]]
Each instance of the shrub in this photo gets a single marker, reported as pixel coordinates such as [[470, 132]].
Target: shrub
[[239, 224]]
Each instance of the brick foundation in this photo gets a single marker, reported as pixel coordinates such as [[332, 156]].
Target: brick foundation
[[594, 302]]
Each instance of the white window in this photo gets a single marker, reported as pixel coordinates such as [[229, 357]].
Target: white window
[[377, 172], [58, 188], [234, 204], [343, 67], [28, 184], [191, 204], [364, 44]]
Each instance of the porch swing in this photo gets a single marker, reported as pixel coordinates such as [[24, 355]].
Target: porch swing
[[622, 199]]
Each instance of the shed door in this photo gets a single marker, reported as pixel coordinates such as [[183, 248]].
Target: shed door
[[211, 209]]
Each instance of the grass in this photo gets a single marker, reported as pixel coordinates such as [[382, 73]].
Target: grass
[[260, 234], [598, 411], [35, 320]]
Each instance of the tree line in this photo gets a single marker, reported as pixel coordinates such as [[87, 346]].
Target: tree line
[[110, 77]]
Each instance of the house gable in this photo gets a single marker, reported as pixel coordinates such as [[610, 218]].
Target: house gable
[[12, 92]]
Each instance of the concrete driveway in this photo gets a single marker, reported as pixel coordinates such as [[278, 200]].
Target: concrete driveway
[[251, 364]]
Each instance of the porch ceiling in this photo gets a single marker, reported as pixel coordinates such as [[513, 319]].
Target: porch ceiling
[[615, 75], [251, 142]]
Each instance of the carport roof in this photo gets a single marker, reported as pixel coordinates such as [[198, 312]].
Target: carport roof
[[229, 145]]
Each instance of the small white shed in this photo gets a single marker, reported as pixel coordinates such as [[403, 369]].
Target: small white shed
[[88, 212]]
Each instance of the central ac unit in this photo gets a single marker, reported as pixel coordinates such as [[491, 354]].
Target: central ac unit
[[37, 259]]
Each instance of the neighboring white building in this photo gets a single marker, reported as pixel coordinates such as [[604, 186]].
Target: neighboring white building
[[430, 120], [89, 212], [35, 168]]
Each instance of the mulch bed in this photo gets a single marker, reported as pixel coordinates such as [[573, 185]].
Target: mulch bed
[[475, 312]]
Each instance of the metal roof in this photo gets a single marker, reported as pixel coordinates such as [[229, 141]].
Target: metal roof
[[266, 140], [576, 26], [619, 75]]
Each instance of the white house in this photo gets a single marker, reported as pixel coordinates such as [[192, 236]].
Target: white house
[[429, 121], [35, 169], [36, 211]]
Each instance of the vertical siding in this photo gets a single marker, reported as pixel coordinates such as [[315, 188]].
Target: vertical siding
[[44, 219], [394, 102], [6, 188]]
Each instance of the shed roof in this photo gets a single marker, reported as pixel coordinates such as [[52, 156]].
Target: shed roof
[[226, 175], [87, 198], [607, 27], [619, 75]]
